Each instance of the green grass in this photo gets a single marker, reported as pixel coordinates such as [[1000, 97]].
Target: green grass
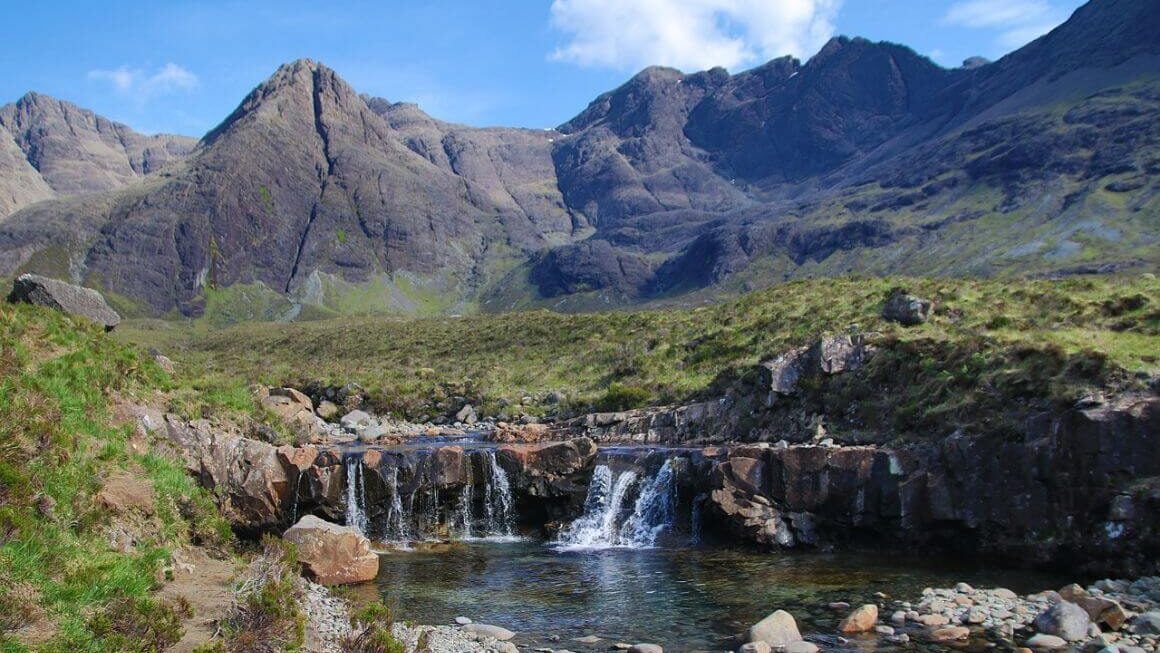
[[415, 367], [57, 442]]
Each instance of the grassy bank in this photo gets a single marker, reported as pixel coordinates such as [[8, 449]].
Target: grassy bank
[[78, 574], [1047, 339]]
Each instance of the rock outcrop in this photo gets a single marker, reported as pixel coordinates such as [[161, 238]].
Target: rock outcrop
[[906, 309], [990, 495], [331, 554], [64, 297]]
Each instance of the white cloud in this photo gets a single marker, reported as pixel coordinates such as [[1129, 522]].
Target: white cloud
[[1016, 22], [689, 34], [142, 85]]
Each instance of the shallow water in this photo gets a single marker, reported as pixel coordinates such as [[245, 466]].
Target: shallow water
[[687, 599]]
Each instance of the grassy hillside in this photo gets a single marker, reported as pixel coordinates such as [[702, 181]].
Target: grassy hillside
[[1045, 339], [77, 573]]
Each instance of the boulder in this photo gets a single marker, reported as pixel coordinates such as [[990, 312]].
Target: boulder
[[861, 620], [1146, 624], [1041, 641], [777, 630], [487, 630], [355, 419], [65, 297], [467, 415], [331, 554], [1103, 610], [906, 309], [1064, 619]]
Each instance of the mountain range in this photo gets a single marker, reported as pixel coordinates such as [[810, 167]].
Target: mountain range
[[311, 199]]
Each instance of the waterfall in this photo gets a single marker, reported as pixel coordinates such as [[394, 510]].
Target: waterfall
[[297, 489], [397, 530], [356, 515], [607, 521], [465, 511], [499, 506], [655, 509]]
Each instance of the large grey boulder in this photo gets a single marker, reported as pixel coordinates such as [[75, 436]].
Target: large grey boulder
[[906, 309], [1064, 619], [65, 297]]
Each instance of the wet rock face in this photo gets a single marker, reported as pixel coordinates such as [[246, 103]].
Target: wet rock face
[[1081, 477], [65, 297]]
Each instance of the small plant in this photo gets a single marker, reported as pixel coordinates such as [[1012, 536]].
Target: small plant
[[372, 632], [140, 624], [267, 616], [623, 396]]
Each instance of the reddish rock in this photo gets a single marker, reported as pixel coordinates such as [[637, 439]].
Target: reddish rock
[[331, 554], [861, 620]]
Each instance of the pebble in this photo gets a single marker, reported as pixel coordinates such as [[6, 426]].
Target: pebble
[[462, 621], [839, 605], [646, 648], [801, 646], [1049, 642], [898, 618], [587, 639]]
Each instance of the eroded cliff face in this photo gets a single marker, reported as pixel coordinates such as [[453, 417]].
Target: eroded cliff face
[[1079, 489]]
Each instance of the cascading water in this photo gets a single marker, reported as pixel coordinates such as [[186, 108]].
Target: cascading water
[[499, 505], [397, 530], [356, 515], [607, 521]]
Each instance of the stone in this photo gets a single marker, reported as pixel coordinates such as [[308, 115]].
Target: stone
[[354, 419], [1103, 611], [1004, 593], [467, 415], [906, 309], [755, 647], [778, 629], [884, 630], [646, 648], [898, 618], [327, 409], [801, 646], [976, 616], [839, 605], [963, 588], [933, 620], [64, 297], [1147, 623], [1073, 592], [900, 638], [487, 630], [1046, 642], [950, 633], [861, 620], [587, 639], [123, 493], [505, 647], [462, 621], [1064, 619], [332, 554]]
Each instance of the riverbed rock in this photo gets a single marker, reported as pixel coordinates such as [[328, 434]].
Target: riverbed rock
[[1147, 623], [801, 646], [487, 630], [646, 648], [779, 629], [1043, 641], [332, 554], [64, 297], [463, 621], [861, 620], [1064, 619], [906, 309], [950, 633], [1103, 610]]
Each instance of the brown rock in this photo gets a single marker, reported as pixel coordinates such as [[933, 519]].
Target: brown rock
[[331, 554], [861, 620], [123, 493], [1103, 611], [1072, 592], [950, 633], [933, 620]]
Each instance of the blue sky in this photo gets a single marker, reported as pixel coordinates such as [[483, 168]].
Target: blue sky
[[181, 67]]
